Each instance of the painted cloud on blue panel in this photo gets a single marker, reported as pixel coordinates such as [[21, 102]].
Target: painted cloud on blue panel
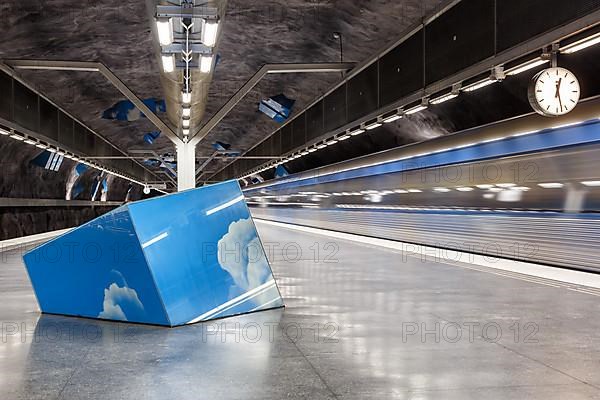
[[120, 301], [241, 254]]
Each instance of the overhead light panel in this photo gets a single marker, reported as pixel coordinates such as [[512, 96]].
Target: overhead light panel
[[591, 183], [416, 109], [444, 98], [551, 185], [41, 146], [186, 112], [186, 97], [17, 137], [209, 32], [526, 66], [330, 142], [343, 137], [395, 116], [581, 44], [357, 132], [29, 141], [4, 132], [185, 123], [321, 146], [164, 26], [312, 150], [372, 125], [206, 64], [168, 62], [185, 131], [478, 85]]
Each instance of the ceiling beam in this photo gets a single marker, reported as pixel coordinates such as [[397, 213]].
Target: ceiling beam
[[90, 66], [265, 70]]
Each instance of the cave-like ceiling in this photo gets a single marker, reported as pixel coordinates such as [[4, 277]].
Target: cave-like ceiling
[[253, 33]]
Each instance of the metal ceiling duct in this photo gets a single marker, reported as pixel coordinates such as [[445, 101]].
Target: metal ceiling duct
[[182, 38]]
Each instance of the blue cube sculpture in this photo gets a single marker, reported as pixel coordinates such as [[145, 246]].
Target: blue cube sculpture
[[172, 260]]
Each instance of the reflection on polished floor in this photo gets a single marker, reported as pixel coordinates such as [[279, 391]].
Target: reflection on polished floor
[[361, 322]]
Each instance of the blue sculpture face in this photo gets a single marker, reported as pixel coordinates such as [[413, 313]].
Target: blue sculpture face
[[171, 260]]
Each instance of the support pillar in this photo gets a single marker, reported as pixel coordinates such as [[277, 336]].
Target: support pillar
[[186, 166]]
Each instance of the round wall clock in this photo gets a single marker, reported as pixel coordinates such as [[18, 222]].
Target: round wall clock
[[554, 91]]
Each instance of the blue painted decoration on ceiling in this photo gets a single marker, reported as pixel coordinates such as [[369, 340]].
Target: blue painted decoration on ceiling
[[151, 137], [225, 149], [278, 107], [125, 110], [171, 260], [78, 187], [281, 171], [48, 160]]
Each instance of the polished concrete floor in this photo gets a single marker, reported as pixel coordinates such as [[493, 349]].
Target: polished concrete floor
[[360, 323]]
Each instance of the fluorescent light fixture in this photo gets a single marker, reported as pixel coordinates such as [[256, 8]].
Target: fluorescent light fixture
[[168, 62], [185, 123], [526, 66], [591, 183], [444, 98], [495, 189], [393, 117], [29, 141], [305, 152], [521, 188], [581, 44], [478, 85], [465, 189], [485, 186], [17, 137], [69, 156], [357, 132], [41, 146], [373, 125], [206, 64], [51, 150], [164, 26], [186, 97], [312, 149], [321, 146], [551, 185], [186, 112], [416, 109], [185, 131], [506, 185], [343, 137], [441, 190], [209, 32], [414, 191], [330, 142], [4, 132], [400, 191]]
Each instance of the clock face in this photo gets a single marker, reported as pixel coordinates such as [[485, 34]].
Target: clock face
[[554, 91]]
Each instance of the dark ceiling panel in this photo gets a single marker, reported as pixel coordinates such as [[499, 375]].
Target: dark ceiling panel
[[401, 70], [363, 93], [459, 38], [335, 109], [536, 17]]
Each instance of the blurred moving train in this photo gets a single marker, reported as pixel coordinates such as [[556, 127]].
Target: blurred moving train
[[526, 189]]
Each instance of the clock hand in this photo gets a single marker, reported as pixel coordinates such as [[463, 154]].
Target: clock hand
[[557, 95]]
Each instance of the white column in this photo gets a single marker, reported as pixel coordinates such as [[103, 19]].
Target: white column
[[186, 166]]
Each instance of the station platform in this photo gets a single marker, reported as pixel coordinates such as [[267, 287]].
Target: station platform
[[363, 320]]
